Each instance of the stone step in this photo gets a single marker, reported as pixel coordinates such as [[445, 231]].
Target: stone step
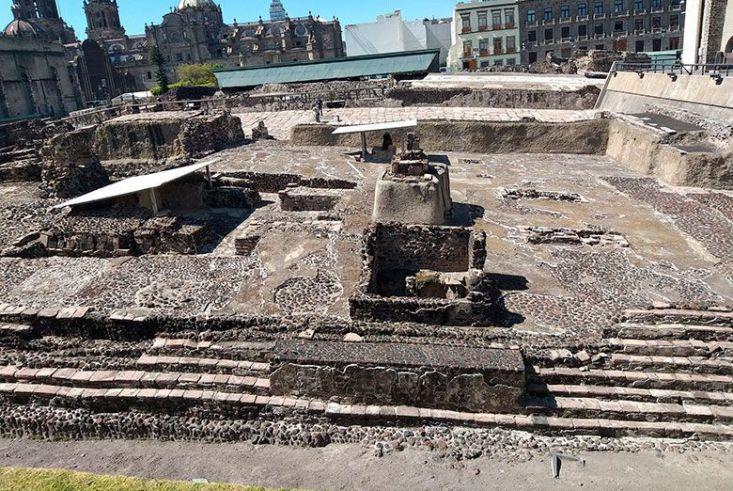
[[632, 378], [671, 347], [631, 394], [237, 350], [669, 331], [672, 363], [680, 316], [10, 332], [135, 379], [203, 365], [589, 407], [123, 398]]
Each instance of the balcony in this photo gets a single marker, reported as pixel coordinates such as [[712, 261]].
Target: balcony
[[582, 36], [567, 39], [483, 52], [466, 30], [467, 56], [657, 10], [600, 16], [640, 12], [510, 51], [583, 18], [549, 22], [565, 20], [510, 25], [675, 8], [624, 13], [497, 27], [483, 28], [658, 29], [534, 23]]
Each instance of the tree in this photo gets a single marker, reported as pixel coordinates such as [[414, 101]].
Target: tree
[[156, 58], [197, 75]]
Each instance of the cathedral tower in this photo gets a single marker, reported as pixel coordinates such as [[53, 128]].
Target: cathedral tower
[[103, 20]]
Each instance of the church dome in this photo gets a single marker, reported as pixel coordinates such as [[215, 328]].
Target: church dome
[[182, 4], [22, 28]]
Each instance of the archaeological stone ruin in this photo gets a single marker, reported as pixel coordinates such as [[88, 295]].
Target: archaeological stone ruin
[[521, 263]]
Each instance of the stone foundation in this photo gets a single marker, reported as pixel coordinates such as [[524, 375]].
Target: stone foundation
[[444, 377], [396, 260], [308, 199]]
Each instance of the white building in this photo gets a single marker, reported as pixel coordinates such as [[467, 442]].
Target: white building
[[390, 33], [485, 33]]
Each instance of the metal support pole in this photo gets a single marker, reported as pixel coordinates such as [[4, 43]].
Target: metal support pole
[[363, 145], [208, 177], [154, 200]]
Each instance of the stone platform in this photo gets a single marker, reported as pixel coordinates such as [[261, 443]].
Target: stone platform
[[447, 377]]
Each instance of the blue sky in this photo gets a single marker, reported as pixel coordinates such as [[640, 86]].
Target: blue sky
[[134, 13]]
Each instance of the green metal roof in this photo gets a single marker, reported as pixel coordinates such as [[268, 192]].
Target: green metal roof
[[332, 69]]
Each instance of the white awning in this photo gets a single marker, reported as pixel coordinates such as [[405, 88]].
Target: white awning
[[136, 184], [365, 128]]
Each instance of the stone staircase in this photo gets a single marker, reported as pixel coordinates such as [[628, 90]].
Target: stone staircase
[[656, 374], [656, 366]]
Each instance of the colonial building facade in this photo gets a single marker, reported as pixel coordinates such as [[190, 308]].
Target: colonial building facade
[[195, 32], [567, 28], [485, 33]]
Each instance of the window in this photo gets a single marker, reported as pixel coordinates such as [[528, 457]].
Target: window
[[483, 47], [511, 62], [467, 49], [498, 62], [179, 57], [656, 22], [509, 18], [565, 11], [582, 9], [485, 64], [532, 36], [565, 32], [639, 46], [639, 25], [531, 16], [675, 4], [638, 5], [497, 46], [511, 44], [483, 21], [618, 26], [582, 30], [150, 76], [656, 4], [466, 23], [548, 14], [618, 6], [674, 43], [598, 29], [548, 34], [674, 21], [532, 56], [656, 45], [496, 19], [598, 8]]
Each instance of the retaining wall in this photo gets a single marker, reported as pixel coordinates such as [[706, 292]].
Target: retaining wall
[[628, 93], [580, 137]]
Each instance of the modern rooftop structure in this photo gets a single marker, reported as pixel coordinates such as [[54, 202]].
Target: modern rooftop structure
[[401, 65]]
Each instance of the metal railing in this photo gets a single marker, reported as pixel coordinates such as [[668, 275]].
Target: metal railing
[[674, 67]]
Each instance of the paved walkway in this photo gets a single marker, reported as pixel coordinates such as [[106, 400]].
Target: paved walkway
[[281, 122], [524, 81]]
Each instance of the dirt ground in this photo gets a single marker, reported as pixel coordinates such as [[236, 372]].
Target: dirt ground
[[355, 467]]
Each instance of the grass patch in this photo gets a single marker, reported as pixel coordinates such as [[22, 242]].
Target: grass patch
[[19, 479]]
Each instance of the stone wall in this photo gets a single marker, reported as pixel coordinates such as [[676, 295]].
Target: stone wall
[[392, 252], [510, 98], [166, 135], [581, 137], [273, 183], [308, 199], [419, 376], [651, 152]]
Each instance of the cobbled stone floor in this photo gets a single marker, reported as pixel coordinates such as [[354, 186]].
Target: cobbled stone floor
[[306, 265]]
